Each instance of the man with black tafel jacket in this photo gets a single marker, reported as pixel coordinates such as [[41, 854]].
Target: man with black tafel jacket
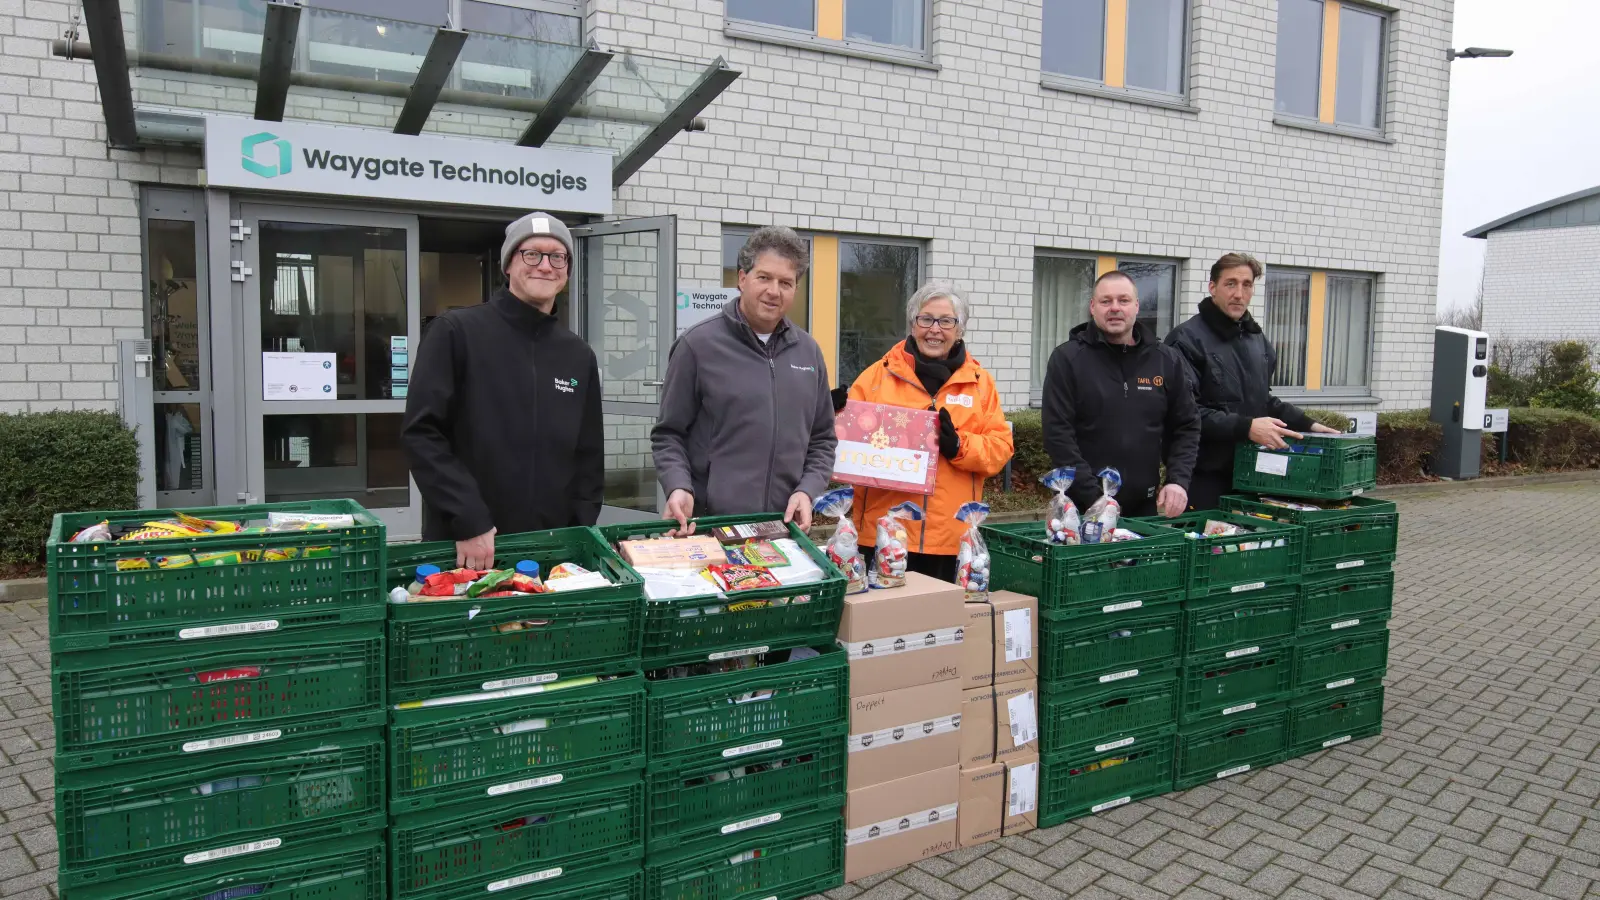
[[503, 425], [1114, 396], [1231, 364]]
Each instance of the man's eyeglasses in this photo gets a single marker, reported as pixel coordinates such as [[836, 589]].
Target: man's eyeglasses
[[558, 259], [948, 323]]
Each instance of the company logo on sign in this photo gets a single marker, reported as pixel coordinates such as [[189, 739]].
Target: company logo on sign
[[248, 151]]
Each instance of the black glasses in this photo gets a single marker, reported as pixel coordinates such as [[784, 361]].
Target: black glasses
[[558, 259], [948, 323]]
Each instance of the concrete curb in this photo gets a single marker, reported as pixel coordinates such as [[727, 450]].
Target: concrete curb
[[20, 589], [1487, 484]]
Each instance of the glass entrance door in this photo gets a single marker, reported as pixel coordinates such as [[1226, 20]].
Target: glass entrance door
[[331, 319]]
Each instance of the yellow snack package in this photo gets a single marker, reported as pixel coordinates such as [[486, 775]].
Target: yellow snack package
[[222, 558], [176, 561], [134, 564]]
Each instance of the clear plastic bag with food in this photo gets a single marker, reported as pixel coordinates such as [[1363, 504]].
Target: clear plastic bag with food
[[1100, 520], [972, 556], [889, 562], [1062, 526], [844, 548]]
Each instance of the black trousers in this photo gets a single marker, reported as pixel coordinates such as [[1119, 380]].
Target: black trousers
[[1206, 488]]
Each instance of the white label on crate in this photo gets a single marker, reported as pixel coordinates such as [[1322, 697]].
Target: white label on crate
[[1343, 682], [1347, 623], [1242, 651], [1243, 707], [747, 824], [1024, 789], [1118, 676], [1358, 492], [523, 681], [1272, 464], [1351, 564], [1236, 770], [254, 737], [236, 850], [1122, 607], [730, 654], [1019, 634], [1115, 745], [211, 631], [1336, 742], [903, 734], [521, 880], [903, 643], [524, 725], [1252, 586], [752, 748], [887, 827], [1110, 804], [1024, 720], [526, 784]]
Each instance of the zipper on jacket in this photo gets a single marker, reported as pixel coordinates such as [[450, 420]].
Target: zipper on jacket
[[772, 445]]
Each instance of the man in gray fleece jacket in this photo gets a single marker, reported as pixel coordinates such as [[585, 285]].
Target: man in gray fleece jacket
[[746, 420]]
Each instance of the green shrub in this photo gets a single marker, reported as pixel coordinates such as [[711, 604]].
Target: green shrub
[[1335, 420], [1538, 440], [1506, 389], [60, 462], [1567, 380]]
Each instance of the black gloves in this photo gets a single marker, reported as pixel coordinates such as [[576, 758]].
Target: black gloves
[[949, 441], [841, 396]]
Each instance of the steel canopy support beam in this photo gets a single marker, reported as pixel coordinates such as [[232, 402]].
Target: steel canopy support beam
[[104, 19], [436, 66], [277, 59], [566, 96], [713, 81]]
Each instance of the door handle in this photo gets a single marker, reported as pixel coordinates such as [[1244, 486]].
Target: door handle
[[655, 384]]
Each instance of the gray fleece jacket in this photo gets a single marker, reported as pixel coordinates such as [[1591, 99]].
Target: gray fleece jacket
[[743, 424]]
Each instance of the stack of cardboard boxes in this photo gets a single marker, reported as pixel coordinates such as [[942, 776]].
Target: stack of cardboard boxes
[[942, 752]]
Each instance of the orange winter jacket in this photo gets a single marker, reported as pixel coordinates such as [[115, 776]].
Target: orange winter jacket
[[974, 406]]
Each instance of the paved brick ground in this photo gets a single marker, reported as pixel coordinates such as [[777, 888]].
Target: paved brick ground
[[1485, 783]]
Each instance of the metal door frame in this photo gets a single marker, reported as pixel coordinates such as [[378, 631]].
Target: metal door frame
[[182, 205]]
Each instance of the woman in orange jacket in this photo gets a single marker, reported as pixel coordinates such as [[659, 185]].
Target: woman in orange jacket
[[931, 370]]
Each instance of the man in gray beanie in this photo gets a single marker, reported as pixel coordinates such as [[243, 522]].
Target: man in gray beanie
[[503, 426]]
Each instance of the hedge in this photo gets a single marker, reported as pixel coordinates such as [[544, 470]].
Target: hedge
[[60, 462]]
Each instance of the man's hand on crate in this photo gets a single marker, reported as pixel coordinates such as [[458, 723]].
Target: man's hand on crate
[[1319, 428], [1173, 501], [476, 553], [1269, 433]]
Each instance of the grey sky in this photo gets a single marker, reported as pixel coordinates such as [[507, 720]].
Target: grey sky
[[1522, 130]]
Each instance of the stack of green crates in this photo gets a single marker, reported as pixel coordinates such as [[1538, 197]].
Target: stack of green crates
[[745, 780], [1110, 635], [516, 737], [219, 726]]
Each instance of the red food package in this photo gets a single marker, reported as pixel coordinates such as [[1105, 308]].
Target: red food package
[[522, 584], [736, 577], [443, 584]]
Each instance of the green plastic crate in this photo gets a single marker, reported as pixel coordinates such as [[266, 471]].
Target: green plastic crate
[[1342, 660], [722, 797], [483, 750], [1231, 748], [579, 823], [461, 646], [1089, 782], [93, 606], [789, 861], [1331, 718], [1272, 553], [1318, 466], [1229, 683], [1365, 534], [1345, 600], [1085, 576], [697, 629], [705, 715], [1229, 621], [1102, 718], [1077, 652], [130, 820], [143, 703], [610, 882], [351, 868]]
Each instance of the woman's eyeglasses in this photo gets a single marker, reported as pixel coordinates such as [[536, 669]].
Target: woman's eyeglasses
[[948, 323]]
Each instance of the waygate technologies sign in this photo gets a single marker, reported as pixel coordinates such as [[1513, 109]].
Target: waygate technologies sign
[[353, 162]]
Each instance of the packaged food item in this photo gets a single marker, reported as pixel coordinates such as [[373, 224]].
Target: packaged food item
[[844, 548], [567, 570], [151, 531], [1101, 517], [100, 531], [453, 583], [972, 556], [326, 520], [1062, 526], [279, 554], [317, 552], [1122, 534], [674, 553], [207, 526], [133, 564], [889, 562], [176, 561], [221, 558], [423, 571], [760, 531], [736, 577], [757, 553], [490, 581], [1213, 528]]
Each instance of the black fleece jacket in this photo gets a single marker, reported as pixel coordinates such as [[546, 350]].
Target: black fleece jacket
[[503, 424]]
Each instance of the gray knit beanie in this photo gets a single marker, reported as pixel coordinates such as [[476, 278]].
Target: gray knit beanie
[[534, 224]]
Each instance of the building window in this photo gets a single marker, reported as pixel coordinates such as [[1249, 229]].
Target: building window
[[1320, 324], [897, 29], [1330, 63], [1285, 317], [1348, 331], [875, 281], [732, 241], [782, 13], [1133, 44], [1064, 282]]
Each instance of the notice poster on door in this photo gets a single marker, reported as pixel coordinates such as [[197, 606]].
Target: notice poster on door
[[886, 447], [299, 376]]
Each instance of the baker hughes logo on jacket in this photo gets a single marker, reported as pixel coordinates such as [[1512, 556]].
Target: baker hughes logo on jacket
[[277, 163], [566, 385]]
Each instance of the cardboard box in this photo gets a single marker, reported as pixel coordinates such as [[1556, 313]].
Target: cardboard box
[[901, 733], [692, 553], [902, 637], [987, 717], [1001, 644], [999, 800], [900, 822]]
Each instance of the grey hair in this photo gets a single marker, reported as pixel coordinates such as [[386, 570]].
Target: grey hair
[[775, 239], [932, 291]]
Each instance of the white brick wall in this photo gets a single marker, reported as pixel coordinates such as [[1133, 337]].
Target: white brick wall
[[1543, 284], [976, 158]]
